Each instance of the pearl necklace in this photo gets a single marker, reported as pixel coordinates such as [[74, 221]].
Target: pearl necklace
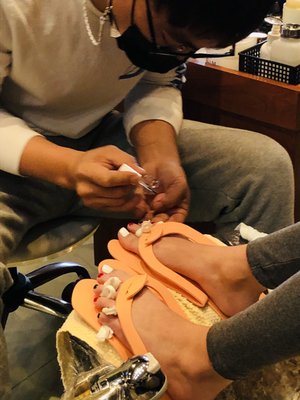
[[102, 19]]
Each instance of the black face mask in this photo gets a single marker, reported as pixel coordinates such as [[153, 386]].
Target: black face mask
[[143, 53]]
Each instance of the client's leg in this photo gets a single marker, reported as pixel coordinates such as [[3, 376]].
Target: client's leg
[[263, 334]]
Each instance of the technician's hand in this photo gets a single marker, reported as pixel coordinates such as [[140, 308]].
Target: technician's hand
[[172, 201], [100, 185], [92, 174]]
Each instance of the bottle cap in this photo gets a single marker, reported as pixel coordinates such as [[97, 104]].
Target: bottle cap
[[273, 20], [290, 31]]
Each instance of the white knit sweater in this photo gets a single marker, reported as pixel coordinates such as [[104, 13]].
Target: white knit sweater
[[56, 82]]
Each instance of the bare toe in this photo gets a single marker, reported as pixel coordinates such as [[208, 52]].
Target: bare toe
[[114, 324], [128, 240], [103, 302]]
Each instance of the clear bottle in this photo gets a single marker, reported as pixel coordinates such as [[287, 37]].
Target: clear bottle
[[291, 12], [286, 50], [273, 34]]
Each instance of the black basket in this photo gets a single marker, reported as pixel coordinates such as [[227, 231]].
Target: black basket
[[250, 62]]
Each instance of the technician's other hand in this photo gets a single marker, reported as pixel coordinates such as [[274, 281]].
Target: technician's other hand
[[172, 201]]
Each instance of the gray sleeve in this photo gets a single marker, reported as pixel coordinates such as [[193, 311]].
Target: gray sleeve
[[156, 96], [265, 333], [275, 257]]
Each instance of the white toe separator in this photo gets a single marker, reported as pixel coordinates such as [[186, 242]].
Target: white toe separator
[[114, 281], [249, 233], [109, 292], [154, 365], [104, 333], [145, 227], [138, 232], [110, 311]]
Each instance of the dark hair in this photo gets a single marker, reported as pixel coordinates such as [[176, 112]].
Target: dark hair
[[224, 21]]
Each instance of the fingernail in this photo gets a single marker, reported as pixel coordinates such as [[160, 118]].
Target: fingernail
[[100, 274], [98, 315], [95, 286], [106, 269], [123, 232]]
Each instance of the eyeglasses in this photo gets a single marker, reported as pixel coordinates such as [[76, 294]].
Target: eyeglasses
[[166, 52], [162, 52]]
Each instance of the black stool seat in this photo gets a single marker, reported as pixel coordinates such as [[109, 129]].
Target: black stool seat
[[54, 237]]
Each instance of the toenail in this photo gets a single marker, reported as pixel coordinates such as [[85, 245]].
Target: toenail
[[100, 274], [107, 269]]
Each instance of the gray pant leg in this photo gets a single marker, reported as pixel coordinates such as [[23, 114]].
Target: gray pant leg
[[236, 176], [263, 334], [5, 283], [4, 373], [276, 257], [25, 202]]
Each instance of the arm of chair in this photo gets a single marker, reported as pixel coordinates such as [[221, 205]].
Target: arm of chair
[[51, 271]]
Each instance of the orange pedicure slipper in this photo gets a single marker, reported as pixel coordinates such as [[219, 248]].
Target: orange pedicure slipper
[[83, 304], [149, 264]]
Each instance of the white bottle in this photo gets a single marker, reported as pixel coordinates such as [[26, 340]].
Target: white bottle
[[274, 34], [286, 50], [291, 12]]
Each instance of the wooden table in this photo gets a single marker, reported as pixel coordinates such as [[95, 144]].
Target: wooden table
[[226, 97]]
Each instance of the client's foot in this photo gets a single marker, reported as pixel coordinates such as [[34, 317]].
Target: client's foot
[[223, 272], [179, 345]]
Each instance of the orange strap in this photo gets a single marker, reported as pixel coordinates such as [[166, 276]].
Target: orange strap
[[127, 291], [171, 278]]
